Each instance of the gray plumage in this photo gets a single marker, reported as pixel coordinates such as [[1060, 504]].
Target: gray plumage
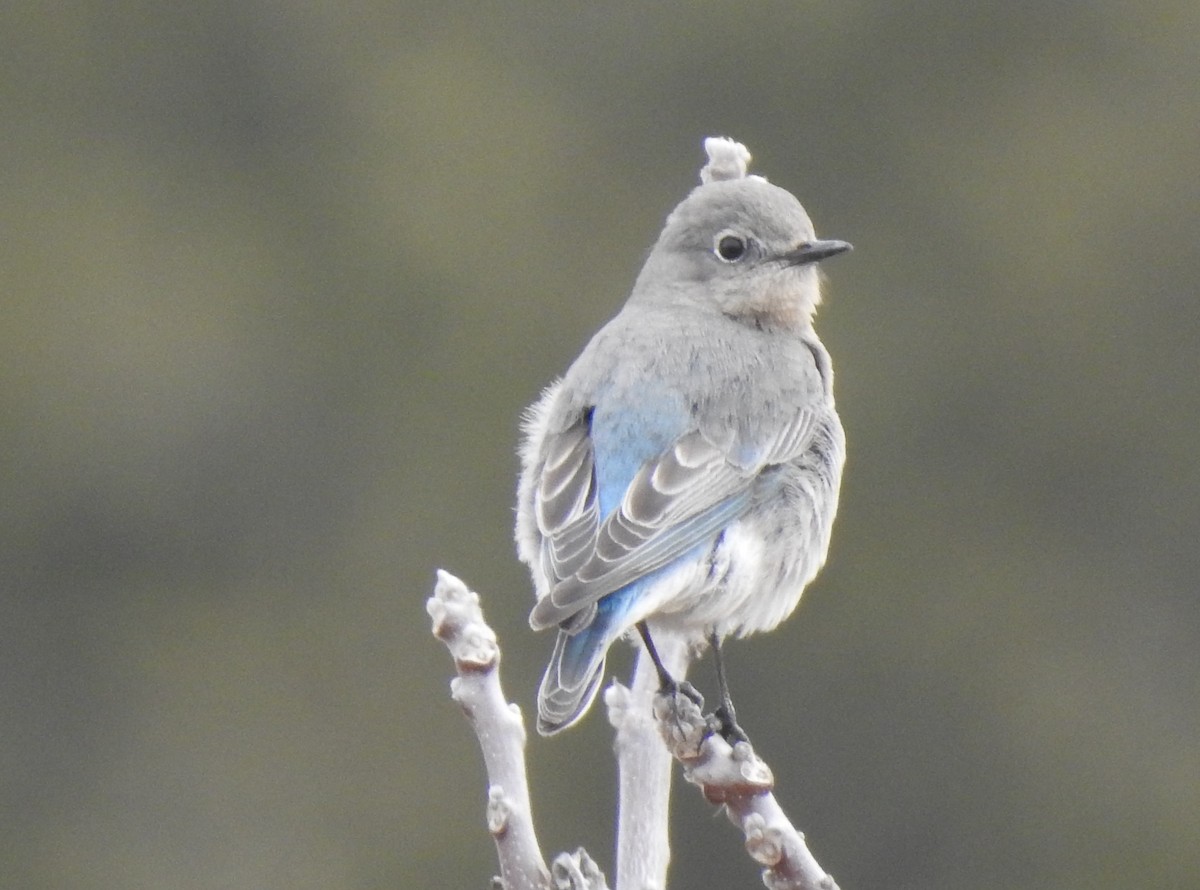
[[685, 470]]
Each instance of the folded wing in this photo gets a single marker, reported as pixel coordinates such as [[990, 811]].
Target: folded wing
[[679, 499]]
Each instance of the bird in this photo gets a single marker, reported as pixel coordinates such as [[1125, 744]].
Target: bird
[[682, 476]]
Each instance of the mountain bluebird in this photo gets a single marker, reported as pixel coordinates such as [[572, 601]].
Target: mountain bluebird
[[682, 477]]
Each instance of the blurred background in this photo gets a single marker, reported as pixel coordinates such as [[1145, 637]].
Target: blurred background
[[279, 278]]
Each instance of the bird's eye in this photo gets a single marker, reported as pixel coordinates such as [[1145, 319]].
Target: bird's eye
[[730, 248]]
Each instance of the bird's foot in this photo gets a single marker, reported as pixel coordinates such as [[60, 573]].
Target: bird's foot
[[679, 712], [673, 687], [723, 722]]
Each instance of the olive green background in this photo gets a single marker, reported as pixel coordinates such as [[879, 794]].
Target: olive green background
[[279, 278]]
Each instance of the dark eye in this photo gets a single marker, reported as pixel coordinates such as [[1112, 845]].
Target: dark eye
[[731, 248]]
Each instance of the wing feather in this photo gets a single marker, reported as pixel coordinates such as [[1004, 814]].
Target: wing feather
[[565, 503], [678, 500]]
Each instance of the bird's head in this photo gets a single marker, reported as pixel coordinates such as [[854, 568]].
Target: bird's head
[[738, 245]]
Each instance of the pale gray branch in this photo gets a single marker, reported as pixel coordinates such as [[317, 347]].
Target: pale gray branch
[[643, 771], [735, 778], [458, 622], [729, 776]]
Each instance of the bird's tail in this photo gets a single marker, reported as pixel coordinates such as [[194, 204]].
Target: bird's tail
[[572, 677]]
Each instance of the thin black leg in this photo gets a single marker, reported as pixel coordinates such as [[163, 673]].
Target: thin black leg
[[667, 684], [724, 713], [665, 680]]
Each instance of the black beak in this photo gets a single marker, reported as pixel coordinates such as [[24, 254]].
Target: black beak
[[814, 252]]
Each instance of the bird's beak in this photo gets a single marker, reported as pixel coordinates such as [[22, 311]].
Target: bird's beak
[[814, 252]]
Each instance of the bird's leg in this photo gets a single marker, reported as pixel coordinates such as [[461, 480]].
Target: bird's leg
[[667, 685], [726, 719]]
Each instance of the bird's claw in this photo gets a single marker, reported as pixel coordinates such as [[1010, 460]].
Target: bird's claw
[[686, 689], [723, 722]]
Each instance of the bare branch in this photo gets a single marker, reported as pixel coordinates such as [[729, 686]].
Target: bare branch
[[644, 771], [577, 871], [458, 622], [731, 777], [736, 779]]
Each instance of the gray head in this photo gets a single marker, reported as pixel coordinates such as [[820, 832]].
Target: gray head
[[739, 245]]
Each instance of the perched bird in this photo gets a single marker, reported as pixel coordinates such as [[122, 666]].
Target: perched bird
[[682, 476]]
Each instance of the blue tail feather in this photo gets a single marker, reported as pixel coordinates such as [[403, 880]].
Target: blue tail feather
[[576, 666]]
